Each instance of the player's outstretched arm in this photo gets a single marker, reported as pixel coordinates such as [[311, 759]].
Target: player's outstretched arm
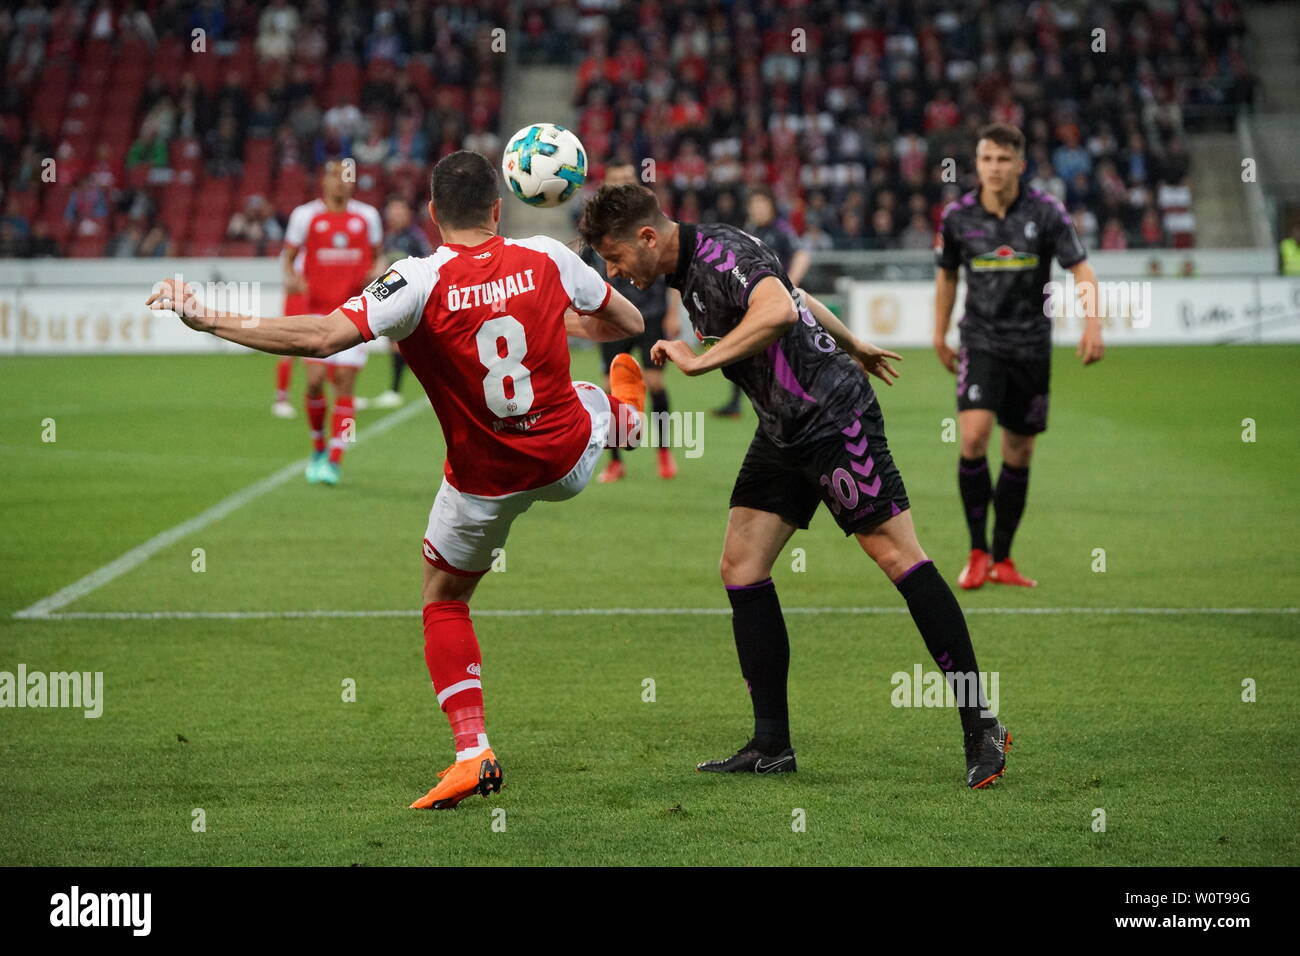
[[769, 316], [312, 335], [874, 360], [1090, 347], [617, 319]]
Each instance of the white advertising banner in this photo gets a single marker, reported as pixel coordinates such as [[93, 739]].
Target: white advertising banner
[[1144, 312]]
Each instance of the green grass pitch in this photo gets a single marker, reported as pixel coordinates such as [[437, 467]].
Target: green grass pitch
[[1139, 715]]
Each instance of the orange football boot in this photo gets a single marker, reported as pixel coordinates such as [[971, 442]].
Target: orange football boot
[[1004, 572], [626, 382], [976, 571], [481, 774], [614, 471]]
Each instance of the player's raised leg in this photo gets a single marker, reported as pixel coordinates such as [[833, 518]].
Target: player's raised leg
[[609, 351], [753, 540], [976, 427], [1009, 506], [626, 402], [893, 545]]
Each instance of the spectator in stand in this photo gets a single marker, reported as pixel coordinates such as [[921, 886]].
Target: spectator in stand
[[374, 149], [408, 146], [224, 148], [918, 235], [15, 230], [87, 209], [191, 108], [263, 118], [1113, 237], [126, 244], [276, 30], [156, 244], [1070, 159], [255, 223]]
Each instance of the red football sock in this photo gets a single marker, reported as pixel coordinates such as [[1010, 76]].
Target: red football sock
[[283, 369], [316, 405], [624, 426], [452, 654], [343, 419]]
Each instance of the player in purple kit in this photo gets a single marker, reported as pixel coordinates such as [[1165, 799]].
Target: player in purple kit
[[820, 439], [1006, 238]]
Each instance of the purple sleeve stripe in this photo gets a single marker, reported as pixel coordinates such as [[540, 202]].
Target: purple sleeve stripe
[[749, 587], [902, 577], [753, 281]]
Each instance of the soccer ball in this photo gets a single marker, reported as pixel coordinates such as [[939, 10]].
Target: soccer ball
[[544, 164]]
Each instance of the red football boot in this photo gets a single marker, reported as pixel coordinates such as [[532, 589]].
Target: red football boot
[[1004, 572], [976, 571]]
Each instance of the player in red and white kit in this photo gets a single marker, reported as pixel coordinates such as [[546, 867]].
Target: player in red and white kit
[[483, 325], [339, 242], [295, 303]]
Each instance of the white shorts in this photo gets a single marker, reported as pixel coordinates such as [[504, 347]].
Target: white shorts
[[465, 530], [354, 357]]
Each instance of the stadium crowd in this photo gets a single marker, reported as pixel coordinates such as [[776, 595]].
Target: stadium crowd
[[193, 127], [848, 110]]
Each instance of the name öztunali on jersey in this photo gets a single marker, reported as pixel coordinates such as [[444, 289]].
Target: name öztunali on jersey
[[486, 293]]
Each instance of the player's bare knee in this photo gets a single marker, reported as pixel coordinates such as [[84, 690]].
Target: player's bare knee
[[738, 571]]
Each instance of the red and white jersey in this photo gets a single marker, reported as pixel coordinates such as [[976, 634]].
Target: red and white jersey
[[482, 328], [336, 249]]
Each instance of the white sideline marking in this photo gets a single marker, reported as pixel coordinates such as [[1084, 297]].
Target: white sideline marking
[[141, 553], [618, 612]]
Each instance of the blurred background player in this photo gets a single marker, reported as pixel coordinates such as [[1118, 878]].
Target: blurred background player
[[658, 305], [1006, 237], [340, 238], [295, 303], [402, 239], [483, 324], [779, 236]]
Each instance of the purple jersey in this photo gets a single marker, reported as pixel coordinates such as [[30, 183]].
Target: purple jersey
[[803, 386], [1008, 263]]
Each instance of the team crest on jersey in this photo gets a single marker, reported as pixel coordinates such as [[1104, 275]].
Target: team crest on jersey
[[1031, 229], [1004, 259], [355, 224], [386, 284]]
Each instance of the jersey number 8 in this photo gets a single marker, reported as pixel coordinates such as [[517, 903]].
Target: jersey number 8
[[501, 349]]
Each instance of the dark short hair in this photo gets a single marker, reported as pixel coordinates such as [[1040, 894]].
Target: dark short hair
[[1004, 134], [464, 187], [617, 211]]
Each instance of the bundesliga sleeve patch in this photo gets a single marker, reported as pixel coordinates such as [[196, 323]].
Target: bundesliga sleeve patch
[[386, 285]]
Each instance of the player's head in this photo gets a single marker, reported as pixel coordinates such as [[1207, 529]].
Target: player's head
[[626, 227], [334, 185], [620, 174], [999, 156], [761, 206], [465, 193]]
